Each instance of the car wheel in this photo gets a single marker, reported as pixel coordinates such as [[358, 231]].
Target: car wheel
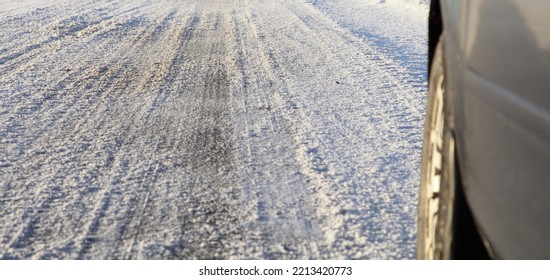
[[431, 218], [445, 226]]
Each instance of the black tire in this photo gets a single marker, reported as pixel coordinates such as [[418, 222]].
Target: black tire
[[431, 220], [445, 228]]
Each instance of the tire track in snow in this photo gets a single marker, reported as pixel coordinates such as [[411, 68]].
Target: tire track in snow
[[322, 45], [114, 80], [281, 216], [210, 222], [149, 84]]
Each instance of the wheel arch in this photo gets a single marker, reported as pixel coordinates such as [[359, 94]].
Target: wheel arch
[[435, 28]]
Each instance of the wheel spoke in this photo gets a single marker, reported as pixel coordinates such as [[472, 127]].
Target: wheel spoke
[[434, 167]]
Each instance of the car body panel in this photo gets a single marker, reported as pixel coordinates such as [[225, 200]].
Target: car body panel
[[498, 66]]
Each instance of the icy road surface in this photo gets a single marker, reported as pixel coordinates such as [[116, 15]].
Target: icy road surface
[[187, 129]]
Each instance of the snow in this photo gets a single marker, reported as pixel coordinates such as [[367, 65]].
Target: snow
[[214, 130]]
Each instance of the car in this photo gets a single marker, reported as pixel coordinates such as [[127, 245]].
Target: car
[[485, 171]]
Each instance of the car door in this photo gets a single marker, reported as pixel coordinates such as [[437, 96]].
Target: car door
[[499, 60]]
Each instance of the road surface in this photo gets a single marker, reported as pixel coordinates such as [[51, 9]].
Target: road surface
[[243, 129]]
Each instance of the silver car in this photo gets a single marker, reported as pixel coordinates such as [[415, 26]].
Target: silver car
[[485, 183]]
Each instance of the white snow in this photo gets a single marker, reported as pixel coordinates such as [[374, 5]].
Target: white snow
[[187, 129]]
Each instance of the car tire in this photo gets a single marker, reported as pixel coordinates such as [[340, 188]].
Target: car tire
[[445, 228], [432, 222]]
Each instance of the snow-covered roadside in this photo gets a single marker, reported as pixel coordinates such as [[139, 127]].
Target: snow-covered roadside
[[397, 28]]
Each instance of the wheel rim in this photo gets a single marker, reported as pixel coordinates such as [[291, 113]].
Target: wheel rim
[[434, 168]]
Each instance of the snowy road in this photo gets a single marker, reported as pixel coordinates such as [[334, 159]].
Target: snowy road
[[189, 129]]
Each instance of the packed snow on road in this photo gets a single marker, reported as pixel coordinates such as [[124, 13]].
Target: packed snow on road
[[190, 129]]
